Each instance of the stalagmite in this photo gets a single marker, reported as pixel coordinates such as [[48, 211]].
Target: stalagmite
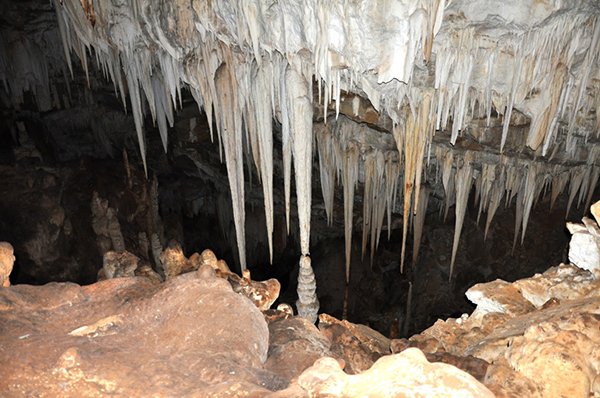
[[307, 303]]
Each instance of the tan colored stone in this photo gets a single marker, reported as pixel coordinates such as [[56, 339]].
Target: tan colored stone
[[505, 382], [564, 282], [565, 347], [189, 336], [7, 260], [498, 296], [358, 345], [174, 261], [407, 374], [294, 345], [119, 264]]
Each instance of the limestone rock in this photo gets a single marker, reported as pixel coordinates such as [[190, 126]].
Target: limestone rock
[[505, 382], [474, 366], [262, 293], [392, 376], [498, 296], [119, 264], [294, 345], [283, 311], [146, 271], [209, 258], [564, 282], [174, 261], [357, 345], [584, 247], [189, 336], [7, 260], [561, 354], [532, 352]]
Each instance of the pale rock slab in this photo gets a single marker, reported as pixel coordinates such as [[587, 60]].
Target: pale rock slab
[[407, 374], [498, 296], [584, 247], [564, 282]]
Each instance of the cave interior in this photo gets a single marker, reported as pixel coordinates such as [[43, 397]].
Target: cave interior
[[409, 150]]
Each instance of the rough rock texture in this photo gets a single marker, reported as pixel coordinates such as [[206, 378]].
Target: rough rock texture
[[7, 260], [474, 366], [129, 337], [584, 248], [540, 335], [174, 261], [407, 374], [294, 345], [357, 345], [119, 264], [262, 293], [307, 303]]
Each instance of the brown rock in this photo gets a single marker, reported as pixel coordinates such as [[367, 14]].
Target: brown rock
[[392, 376], [174, 261], [358, 345], [146, 271], [7, 260], [119, 264], [474, 366], [283, 311], [504, 381], [560, 349], [294, 345], [191, 335], [262, 293]]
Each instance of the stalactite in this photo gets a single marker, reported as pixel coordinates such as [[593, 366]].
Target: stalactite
[[349, 179], [300, 116], [392, 173], [327, 168], [418, 222], [529, 195], [259, 129], [379, 202], [545, 72], [464, 177], [230, 130], [413, 140]]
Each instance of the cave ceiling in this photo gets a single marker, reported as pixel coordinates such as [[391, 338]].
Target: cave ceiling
[[399, 98]]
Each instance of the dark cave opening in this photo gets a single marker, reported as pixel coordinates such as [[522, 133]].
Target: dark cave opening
[[49, 184]]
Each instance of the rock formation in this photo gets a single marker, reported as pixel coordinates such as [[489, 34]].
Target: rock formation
[[7, 259]]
